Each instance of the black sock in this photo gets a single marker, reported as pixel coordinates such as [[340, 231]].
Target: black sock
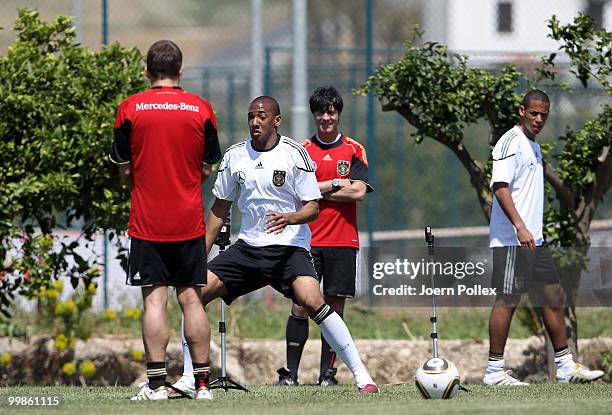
[[328, 356], [321, 314], [494, 357], [296, 334], [562, 351], [201, 373], [156, 372]]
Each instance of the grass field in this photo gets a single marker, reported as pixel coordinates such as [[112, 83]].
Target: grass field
[[540, 399]]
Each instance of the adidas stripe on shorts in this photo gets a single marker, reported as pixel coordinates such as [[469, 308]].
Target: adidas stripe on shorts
[[516, 269]]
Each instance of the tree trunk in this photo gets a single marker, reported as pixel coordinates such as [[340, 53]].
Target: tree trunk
[[572, 337], [548, 348], [571, 325]]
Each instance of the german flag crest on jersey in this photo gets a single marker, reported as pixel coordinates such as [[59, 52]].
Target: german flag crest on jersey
[[278, 178], [343, 158], [343, 167]]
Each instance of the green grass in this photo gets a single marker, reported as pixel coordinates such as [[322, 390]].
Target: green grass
[[540, 399], [256, 320]]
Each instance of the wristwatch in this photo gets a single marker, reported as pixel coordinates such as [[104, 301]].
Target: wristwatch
[[335, 184]]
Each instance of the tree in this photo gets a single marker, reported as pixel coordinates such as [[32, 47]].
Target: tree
[[58, 103], [440, 95]]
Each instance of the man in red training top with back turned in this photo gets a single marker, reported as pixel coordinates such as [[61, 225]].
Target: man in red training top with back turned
[[165, 141]]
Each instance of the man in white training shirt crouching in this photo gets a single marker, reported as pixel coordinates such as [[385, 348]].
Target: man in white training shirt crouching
[[272, 179]]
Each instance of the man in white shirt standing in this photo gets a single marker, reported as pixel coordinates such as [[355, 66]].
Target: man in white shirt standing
[[272, 179], [521, 262]]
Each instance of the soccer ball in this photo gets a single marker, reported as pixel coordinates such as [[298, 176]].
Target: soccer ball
[[437, 378]]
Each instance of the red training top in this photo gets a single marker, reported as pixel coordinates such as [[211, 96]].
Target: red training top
[[343, 159], [166, 133]]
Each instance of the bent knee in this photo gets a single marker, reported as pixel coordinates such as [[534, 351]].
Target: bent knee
[[298, 311], [311, 304], [214, 288]]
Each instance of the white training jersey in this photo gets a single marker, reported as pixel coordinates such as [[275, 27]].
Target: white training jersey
[[517, 161], [279, 179]]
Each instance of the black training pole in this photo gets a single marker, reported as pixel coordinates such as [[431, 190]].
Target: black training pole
[[224, 382], [429, 238]]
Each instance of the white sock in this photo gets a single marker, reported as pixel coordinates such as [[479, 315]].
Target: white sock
[[494, 366], [337, 335], [564, 363], [187, 363]]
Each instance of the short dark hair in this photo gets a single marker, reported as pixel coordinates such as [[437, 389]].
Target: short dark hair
[[535, 95], [164, 60], [324, 97], [274, 102]]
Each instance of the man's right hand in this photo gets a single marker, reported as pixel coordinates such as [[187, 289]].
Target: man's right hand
[[214, 221], [525, 238]]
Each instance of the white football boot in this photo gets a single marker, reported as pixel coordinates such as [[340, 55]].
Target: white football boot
[[578, 374], [185, 384], [502, 378], [204, 394], [147, 394]]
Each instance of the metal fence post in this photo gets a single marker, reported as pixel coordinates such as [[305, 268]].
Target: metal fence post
[[256, 48], [268, 72], [105, 259], [371, 144], [371, 130], [105, 22], [105, 233]]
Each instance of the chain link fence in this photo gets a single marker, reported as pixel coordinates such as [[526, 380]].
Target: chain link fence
[[215, 38]]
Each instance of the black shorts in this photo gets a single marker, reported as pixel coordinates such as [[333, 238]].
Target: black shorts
[[337, 267], [517, 269], [244, 268], [175, 264]]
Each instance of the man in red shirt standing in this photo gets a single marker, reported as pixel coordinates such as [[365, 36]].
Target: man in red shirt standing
[[342, 174], [165, 141]]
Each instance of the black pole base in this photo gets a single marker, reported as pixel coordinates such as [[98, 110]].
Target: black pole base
[[181, 394], [225, 383]]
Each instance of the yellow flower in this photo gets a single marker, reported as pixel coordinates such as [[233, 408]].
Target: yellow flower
[[69, 306], [46, 242], [69, 368], [58, 285], [71, 341], [91, 289], [41, 292], [133, 313], [61, 342], [5, 359], [52, 294], [87, 368], [110, 314], [137, 355], [58, 310]]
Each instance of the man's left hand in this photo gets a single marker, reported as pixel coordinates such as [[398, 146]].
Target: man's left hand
[[276, 222], [345, 183]]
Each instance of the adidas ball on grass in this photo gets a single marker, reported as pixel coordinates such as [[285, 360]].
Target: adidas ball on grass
[[438, 378]]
